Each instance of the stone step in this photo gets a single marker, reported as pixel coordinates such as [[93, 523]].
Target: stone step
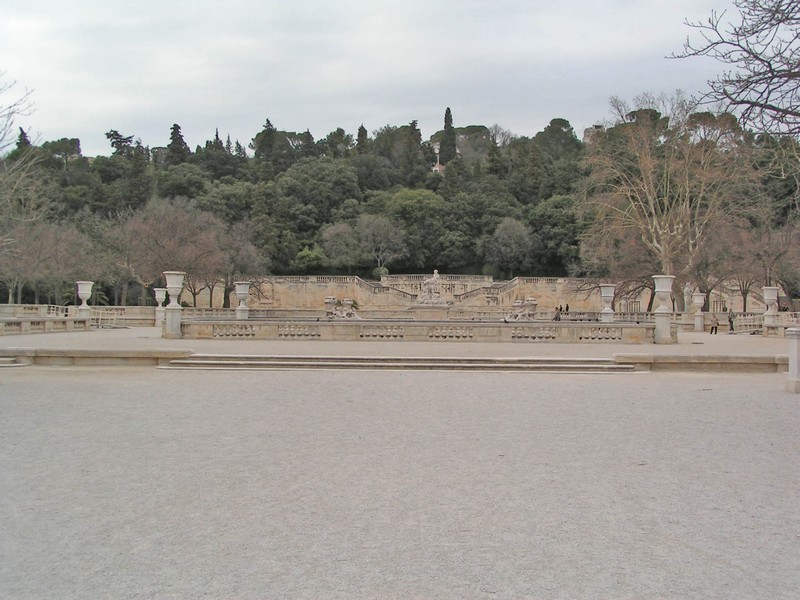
[[559, 365], [10, 361]]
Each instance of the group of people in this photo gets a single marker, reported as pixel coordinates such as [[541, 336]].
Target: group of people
[[715, 322], [559, 310]]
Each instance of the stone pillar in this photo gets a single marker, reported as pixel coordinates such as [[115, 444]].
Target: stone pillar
[[771, 300], [698, 300], [172, 318], [84, 293], [793, 382], [607, 296], [663, 314], [161, 295], [242, 292]]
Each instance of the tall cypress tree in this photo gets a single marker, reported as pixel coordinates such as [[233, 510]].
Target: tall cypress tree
[[362, 141], [447, 149]]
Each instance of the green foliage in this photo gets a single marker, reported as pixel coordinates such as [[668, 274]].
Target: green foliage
[[178, 151], [447, 148], [555, 239], [504, 205], [183, 179]]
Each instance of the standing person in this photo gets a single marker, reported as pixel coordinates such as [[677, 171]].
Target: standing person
[[731, 317], [714, 324]]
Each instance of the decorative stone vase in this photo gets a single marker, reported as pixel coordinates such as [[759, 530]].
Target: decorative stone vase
[[172, 317], [242, 292], [84, 293], [663, 284], [771, 300], [174, 286], [698, 300], [663, 314], [607, 296], [161, 296]]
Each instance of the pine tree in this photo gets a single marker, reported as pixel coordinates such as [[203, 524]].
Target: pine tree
[[178, 151], [447, 149]]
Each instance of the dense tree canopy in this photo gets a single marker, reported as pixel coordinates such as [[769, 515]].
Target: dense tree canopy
[[643, 195]]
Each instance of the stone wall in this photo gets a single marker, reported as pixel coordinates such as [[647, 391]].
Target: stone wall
[[395, 292]]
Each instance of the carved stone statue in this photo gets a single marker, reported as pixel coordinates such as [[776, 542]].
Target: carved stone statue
[[344, 311], [522, 310], [430, 291]]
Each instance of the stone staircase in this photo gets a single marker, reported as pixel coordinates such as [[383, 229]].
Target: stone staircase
[[414, 363]]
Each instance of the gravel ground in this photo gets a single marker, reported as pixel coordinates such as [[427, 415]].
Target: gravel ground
[[140, 483]]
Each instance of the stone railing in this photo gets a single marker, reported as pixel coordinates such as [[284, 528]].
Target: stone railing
[[25, 325], [421, 331]]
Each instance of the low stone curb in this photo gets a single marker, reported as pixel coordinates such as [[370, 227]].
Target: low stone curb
[[94, 357], [778, 363], [162, 357]]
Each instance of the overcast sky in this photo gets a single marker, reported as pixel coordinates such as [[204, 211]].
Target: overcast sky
[[140, 66]]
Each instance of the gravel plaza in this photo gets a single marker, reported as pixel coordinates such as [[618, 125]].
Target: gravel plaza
[[132, 482]]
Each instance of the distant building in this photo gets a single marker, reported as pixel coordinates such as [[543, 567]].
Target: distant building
[[590, 132]]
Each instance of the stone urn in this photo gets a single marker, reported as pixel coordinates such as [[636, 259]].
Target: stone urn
[[172, 318], [698, 300], [242, 292], [84, 293], [663, 314], [174, 286], [161, 296], [663, 285], [607, 296], [771, 300]]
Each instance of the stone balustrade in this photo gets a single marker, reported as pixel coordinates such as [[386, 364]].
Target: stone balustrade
[[25, 325], [432, 331]]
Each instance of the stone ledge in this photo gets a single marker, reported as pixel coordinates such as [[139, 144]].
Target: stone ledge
[[93, 357], [778, 363]]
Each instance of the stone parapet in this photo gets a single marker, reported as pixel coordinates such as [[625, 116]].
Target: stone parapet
[[423, 331]]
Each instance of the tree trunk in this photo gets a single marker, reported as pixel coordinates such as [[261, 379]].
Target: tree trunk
[[211, 295], [124, 294], [651, 300]]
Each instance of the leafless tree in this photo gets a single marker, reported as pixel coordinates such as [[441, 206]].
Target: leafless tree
[[669, 182], [21, 197], [761, 52]]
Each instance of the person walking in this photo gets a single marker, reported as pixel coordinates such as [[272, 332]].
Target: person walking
[[714, 324], [731, 317]]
